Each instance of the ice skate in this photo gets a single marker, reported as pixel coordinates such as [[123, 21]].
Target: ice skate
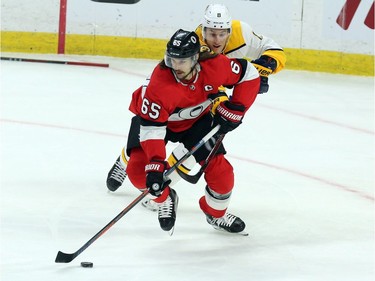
[[167, 212], [116, 176], [229, 223]]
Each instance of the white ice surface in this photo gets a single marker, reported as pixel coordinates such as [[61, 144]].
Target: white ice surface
[[303, 159]]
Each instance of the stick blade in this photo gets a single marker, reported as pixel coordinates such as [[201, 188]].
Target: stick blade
[[190, 178], [64, 258]]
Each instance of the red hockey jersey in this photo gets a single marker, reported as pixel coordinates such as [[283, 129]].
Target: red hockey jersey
[[167, 102]]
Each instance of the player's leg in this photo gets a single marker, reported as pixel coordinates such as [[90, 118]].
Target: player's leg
[[220, 180], [167, 202]]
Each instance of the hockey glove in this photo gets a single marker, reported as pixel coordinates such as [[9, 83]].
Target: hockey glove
[[265, 66], [217, 98], [155, 182], [229, 116], [263, 85]]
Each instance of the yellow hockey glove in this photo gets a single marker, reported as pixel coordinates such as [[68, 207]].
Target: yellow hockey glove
[[218, 98]]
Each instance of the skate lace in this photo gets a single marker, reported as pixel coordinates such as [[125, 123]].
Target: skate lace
[[165, 209], [118, 172], [226, 220]]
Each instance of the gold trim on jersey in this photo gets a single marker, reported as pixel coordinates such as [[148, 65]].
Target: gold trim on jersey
[[123, 156], [279, 56], [172, 159], [236, 40], [198, 31]]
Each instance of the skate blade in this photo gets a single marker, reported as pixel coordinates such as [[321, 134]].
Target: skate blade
[[170, 232], [242, 233]]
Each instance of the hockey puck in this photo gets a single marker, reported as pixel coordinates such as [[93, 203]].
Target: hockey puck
[[87, 264]]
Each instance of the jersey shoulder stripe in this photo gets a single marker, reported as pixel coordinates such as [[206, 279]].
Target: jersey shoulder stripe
[[236, 39]]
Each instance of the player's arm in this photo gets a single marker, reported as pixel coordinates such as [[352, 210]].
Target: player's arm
[[151, 136], [244, 78], [151, 108], [268, 57], [153, 128], [271, 61], [265, 65], [246, 85]]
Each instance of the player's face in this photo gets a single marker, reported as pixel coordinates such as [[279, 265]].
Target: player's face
[[216, 39], [182, 68]]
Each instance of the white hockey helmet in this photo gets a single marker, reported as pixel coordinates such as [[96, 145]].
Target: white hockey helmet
[[217, 16]]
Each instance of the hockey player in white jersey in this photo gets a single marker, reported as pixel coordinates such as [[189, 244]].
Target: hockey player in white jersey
[[236, 39]]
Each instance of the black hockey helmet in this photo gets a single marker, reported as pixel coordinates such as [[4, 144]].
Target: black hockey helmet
[[183, 44]]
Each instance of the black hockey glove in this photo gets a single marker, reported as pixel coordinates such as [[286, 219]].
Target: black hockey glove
[[263, 85], [265, 66], [228, 116], [155, 177]]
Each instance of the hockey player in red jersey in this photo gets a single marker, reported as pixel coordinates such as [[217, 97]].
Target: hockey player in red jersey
[[235, 39], [175, 105]]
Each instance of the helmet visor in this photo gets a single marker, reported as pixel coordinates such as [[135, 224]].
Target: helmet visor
[[180, 63]]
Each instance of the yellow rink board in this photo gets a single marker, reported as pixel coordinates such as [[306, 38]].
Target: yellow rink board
[[126, 47]]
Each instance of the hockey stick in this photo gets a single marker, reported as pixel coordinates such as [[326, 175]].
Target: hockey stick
[[192, 151], [57, 62], [66, 258], [195, 178]]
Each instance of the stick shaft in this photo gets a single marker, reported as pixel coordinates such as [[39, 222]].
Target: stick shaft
[[195, 178], [66, 258], [193, 150]]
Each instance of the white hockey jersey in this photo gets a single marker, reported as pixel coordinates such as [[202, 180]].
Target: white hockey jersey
[[245, 43]]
